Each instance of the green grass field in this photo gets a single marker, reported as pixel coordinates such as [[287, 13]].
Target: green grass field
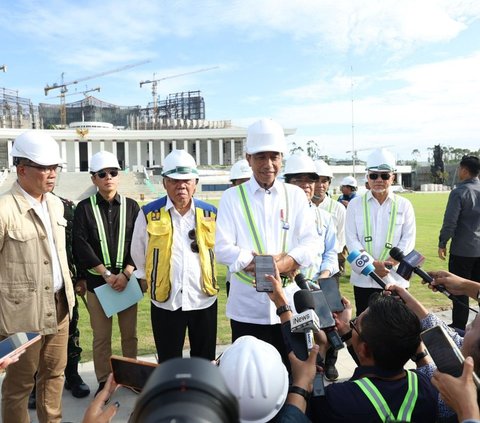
[[429, 209]]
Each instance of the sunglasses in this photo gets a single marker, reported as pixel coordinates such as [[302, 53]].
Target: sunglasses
[[102, 174], [193, 236], [384, 176]]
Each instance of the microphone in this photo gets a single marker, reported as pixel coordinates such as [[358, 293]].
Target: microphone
[[362, 264], [307, 320], [304, 283], [410, 263]]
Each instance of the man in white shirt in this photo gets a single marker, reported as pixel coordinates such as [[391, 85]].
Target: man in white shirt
[[335, 208], [376, 222], [172, 248], [263, 216]]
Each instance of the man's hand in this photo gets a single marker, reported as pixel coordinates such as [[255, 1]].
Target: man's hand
[[118, 282], [81, 287], [410, 301], [342, 319], [303, 372], [278, 295], [460, 393], [97, 412], [381, 268], [442, 253]]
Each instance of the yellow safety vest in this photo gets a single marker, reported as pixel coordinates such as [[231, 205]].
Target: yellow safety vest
[[159, 248]]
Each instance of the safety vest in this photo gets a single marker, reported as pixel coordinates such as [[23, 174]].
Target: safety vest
[[367, 223], [253, 229], [381, 406], [159, 248], [103, 237]]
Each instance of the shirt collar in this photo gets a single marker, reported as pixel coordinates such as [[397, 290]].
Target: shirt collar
[[100, 199], [169, 204], [362, 371], [32, 201], [390, 195], [254, 186]]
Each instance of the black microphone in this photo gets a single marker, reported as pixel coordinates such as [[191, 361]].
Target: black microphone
[[410, 265], [301, 282], [362, 263]]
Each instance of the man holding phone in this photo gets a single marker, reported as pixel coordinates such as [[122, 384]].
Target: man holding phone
[[36, 292], [263, 216]]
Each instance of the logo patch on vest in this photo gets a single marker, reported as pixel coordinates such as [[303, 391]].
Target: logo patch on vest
[[155, 215]]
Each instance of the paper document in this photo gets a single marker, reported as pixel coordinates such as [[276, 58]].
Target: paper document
[[114, 301]]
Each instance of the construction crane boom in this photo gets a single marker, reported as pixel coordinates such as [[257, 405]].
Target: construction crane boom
[[155, 82], [79, 92]]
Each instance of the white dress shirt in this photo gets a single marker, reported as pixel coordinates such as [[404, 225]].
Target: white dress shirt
[[41, 209], [185, 271], [338, 212], [403, 236], [234, 244]]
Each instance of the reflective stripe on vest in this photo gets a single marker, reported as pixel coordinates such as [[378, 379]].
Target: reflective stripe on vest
[[381, 406], [103, 237], [253, 229], [368, 228]]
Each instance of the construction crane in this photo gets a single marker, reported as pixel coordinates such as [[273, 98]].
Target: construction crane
[[80, 92], [155, 82], [63, 86]]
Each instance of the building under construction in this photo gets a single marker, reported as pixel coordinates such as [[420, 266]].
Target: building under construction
[[17, 112], [175, 111]]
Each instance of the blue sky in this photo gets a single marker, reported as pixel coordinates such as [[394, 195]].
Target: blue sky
[[412, 67]]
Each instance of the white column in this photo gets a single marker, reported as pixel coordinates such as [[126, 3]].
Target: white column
[[89, 151], [63, 148], [102, 145], [220, 152], [9, 150], [150, 152], [232, 151], [162, 151], [185, 145], [197, 152], [174, 145], [399, 178], [114, 148], [127, 155], [209, 152], [77, 156], [139, 155]]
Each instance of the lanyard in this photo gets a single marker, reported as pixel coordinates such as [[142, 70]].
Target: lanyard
[[381, 406], [103, 237], [368, 228]]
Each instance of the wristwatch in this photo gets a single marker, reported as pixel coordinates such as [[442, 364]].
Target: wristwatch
[[283, 309], [107, 274]]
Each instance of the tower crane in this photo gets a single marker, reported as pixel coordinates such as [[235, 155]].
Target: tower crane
[[80, 92], [155, 82], [63, 86]]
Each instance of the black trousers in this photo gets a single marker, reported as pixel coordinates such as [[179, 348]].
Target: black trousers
[[362, 295], [469, 268], [271, 334], [170, 327]]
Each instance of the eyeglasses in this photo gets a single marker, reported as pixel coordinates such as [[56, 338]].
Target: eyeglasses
[[193, 236], [102, 174], [353, 326], [384, 176], [46, 169]]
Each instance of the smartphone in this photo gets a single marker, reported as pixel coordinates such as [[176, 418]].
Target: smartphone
[[322, 309], [130, 372], [16, 343], [329, 286], [444, 352], [263, 265]]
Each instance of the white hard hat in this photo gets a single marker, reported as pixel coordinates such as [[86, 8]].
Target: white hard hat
[[255, 374], [381, 160], [323, 169], [180, 165], [240, 170], [265, 135], [299, 163], [350, 181], [103, 160], [37, 146]]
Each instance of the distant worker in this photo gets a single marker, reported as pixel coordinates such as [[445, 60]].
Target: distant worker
[[173, 250], [36, 291], [239, 173], [348, 187], [338, 212], [102, 233], [376, 222], [461, 224], [263, 216]]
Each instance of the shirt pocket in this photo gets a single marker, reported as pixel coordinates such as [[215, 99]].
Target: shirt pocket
[[207, 230], [158, 234]]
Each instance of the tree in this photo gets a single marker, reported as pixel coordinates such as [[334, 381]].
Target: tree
[[313, 150]]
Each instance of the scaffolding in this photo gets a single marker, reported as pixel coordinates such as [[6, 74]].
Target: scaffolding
[[15, 111]]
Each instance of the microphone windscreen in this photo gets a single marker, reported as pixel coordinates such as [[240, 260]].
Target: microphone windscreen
[[397, 254], [303, 300], [301, 281]]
